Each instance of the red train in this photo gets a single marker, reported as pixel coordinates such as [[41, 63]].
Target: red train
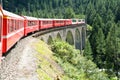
[[13, 27]]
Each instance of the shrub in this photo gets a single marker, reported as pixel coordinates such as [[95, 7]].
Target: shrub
[[74, 64]]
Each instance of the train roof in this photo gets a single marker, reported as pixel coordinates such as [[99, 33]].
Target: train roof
[[45, 19], [58, 19], [10, 14], [30, 18]]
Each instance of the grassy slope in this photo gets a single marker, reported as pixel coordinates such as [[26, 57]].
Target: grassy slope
[[48, 69], [75, 68]]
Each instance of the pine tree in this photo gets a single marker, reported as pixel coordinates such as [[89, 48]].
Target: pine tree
[[112, 50], [97, 40], [69, 13], [96, 25], [99, 57], [88, 51]]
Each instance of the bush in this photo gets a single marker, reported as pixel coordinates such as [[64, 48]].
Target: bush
[[74, 64]]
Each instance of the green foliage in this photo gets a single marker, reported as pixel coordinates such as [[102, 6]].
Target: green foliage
[[100, 48], [88, 51], [76, 66], [50, 8], [69, 13], [113, 52], [65, 51], [89, 28]]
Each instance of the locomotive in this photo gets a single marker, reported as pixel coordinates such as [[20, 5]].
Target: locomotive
[[13, 27]]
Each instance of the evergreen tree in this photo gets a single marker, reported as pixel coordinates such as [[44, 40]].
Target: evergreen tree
[[69, 13], [99, 57], [107, 27], [96, 25], [109, 16], [97, 39], [88, 51], [112, 50]]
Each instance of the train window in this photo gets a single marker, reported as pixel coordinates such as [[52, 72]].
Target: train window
[[79, 20], [28, 23], [35, 23], [9, 26], [83, 20], [46, 22], [73, 20], [18, 24], [12, 27], [21, 24], [15, 27]]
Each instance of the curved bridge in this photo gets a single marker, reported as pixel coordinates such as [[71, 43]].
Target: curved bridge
[[74, 35]]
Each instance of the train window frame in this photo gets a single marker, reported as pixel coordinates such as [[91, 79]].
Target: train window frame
[[10, 26], [31, 23], [15, 27], [21, 24]]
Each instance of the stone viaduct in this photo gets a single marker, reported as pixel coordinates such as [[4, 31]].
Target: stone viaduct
[[74, 35]]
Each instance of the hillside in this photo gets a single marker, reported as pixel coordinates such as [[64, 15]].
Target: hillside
[[64, 62], [103, 15]]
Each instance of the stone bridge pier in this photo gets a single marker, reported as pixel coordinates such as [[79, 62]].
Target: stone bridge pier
[[74, 35]]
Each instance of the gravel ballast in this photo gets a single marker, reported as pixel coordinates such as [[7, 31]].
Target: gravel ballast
[[20, 63]]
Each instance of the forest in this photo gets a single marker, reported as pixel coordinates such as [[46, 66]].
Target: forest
[[103, 41]]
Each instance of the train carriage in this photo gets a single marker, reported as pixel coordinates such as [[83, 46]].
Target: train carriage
[[68, 22], [31, 24], [58, 22], [45, 23], [13, 29], [80, 21], [1, 21]]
